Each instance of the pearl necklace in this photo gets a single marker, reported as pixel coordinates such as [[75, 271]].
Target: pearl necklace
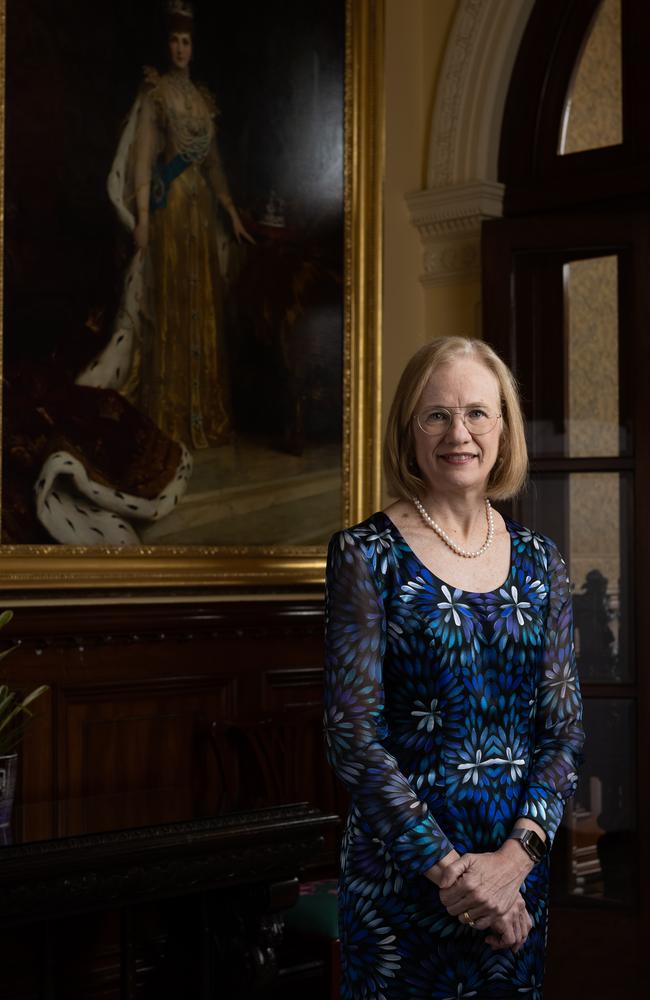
[[181, 84], [426, 517], [189, 121]]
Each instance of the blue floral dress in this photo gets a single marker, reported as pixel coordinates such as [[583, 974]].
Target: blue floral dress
[[448, 715]]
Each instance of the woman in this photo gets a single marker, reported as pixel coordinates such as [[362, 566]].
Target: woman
[[452, 702], [167, 353]]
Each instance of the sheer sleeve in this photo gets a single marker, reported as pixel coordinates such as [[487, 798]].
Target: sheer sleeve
[[559, 734], [354, 704]]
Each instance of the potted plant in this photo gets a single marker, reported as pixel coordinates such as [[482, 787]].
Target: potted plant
[[15, 714]]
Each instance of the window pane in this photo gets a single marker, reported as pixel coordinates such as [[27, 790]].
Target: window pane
[[586, 514], [591, 330], [593, 112], [600, 822], [568, 312], [595, 559]]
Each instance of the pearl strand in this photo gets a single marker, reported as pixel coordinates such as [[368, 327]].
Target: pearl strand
[[426, 517]]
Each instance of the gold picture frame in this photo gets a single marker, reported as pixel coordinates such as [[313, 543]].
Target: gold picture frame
[[32, 569]]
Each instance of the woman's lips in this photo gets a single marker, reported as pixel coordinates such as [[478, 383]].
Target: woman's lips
[[457, 459]]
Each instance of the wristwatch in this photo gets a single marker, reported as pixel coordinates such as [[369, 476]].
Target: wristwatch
[[531, 842]]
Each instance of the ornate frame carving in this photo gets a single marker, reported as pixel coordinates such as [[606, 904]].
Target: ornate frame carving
[[28, 569]]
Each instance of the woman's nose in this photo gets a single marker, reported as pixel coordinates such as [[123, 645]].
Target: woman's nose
[[457, 430]]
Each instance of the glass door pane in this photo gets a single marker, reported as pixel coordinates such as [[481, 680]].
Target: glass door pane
[[587, 514], [574, 405], [591, 331]]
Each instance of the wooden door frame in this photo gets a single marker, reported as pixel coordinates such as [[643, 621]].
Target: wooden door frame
[[602, 233]]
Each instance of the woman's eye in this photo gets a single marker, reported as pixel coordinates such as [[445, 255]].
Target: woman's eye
[[477, 414], [436, 416]]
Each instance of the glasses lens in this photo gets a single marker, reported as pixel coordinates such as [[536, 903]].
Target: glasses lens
[[434, 421], [480, 421]]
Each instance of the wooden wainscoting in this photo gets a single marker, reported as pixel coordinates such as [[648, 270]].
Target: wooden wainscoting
[[158, 713], [134, 692]]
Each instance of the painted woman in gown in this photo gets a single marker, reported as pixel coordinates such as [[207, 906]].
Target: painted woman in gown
[[166, 183], [108, 462]]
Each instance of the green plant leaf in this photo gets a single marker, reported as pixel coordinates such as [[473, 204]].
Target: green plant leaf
[[10, 740], [15, 713], [5, 618], [33, 695], [7, 698]]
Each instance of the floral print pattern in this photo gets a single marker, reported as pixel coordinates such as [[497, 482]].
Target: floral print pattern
[[448, 715]]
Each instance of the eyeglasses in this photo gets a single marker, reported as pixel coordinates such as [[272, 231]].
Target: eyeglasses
[[436, 420]]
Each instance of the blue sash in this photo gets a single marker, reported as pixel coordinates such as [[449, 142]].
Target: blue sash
[[162, 177]]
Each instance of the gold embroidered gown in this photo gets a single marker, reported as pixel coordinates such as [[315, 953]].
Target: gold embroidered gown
[[178, 375]]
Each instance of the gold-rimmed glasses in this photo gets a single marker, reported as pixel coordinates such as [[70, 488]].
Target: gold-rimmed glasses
[[436, 420]]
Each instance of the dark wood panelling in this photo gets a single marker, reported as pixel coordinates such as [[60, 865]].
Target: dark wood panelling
[[134, 690], [126, 738]]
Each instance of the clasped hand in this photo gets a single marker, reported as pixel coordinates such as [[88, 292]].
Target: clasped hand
[[487, 886]]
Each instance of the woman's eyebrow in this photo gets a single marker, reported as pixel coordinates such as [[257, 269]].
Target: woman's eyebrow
[[447, 406]]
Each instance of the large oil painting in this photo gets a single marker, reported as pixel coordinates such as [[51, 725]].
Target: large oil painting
[[189, 330]]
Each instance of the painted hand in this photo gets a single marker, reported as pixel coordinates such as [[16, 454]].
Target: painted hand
[[240, 231], [141, 234]]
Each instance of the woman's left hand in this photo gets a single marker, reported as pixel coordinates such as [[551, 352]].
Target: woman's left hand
[[489, 886]]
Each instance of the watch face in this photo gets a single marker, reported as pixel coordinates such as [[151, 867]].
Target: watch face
[[534, 843]]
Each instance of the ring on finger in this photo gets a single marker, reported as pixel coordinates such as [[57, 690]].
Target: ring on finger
[[468, 919]]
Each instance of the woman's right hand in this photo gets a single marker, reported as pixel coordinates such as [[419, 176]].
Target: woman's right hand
[[512, 929], [141, 233]]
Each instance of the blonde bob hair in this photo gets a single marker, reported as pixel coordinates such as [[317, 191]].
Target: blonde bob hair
[[402, 473]]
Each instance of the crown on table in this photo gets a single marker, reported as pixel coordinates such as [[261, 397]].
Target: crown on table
[[181, 7]]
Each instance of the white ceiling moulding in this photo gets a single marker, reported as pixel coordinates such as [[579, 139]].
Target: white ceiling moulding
[[465, 135]]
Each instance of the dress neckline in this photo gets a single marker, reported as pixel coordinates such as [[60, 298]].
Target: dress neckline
[[445, 583]]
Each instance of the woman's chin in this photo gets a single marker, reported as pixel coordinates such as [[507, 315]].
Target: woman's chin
[[468, 476]]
